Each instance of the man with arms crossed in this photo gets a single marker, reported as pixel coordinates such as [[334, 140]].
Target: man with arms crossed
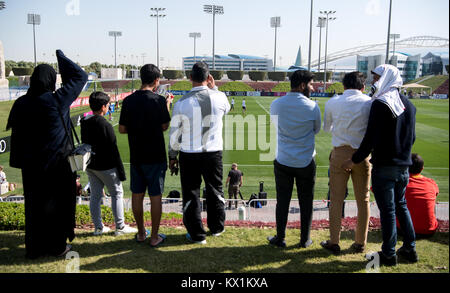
[[298, 123]]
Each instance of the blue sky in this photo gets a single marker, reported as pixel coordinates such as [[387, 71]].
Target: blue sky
[[82, 33]]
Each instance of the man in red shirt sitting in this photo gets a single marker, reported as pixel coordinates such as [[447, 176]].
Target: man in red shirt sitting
[[421, 193]]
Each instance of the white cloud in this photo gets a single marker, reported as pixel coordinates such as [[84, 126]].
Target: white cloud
[[373, 7]]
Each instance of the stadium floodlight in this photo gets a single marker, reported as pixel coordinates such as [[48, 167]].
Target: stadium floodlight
[[327, 18], [388, 33], [2, 5], [394, 36], [310, 36], [115, 34], [213, 9], [275, 22], [34, 19], [157, 10], [195, 36], [320, 25]]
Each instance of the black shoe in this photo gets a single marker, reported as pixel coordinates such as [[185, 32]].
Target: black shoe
[[410, 255], [334, 248], [276, 241], [358, 247], [308, 242], [384, 260]]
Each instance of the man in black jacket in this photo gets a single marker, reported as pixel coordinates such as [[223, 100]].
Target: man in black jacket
[[389, 137]]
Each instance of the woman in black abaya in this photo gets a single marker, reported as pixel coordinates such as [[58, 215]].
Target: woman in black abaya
[[39, 146]]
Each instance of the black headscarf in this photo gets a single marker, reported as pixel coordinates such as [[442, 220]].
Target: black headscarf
[[42, 80]]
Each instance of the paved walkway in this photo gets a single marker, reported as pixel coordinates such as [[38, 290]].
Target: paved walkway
[[267, 212]]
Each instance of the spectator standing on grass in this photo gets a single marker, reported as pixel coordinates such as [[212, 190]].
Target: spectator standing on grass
[[196, 135], [389, 137], [144, 117], [298, 123], [244, 106], [421, 193], [106, 167], [234, 182], [346, 117], [40, 146], [232, 104]]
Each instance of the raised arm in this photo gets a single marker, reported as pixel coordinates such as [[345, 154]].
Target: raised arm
[[73, 80]]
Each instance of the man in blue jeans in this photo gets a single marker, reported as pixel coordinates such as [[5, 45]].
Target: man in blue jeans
[[389, 137]]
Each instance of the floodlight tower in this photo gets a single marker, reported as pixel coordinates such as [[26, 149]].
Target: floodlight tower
[[327, 18], [275, 22], [195, 36], [320, 25], [157, 10], [310, 36], [213, 9], [388, 33], [34, 19], [115, 34], [2, 5]]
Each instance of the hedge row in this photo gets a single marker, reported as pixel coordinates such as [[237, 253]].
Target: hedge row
[[236, 86], [20, 71], [12, 216]]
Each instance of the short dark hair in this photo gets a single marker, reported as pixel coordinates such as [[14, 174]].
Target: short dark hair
[[299, 77], [97, 100], [354, 80], [417, 164], [200, 72], [149, 73]]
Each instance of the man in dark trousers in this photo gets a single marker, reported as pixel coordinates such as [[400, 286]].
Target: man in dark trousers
[[145, 116], [196, 134], [389, 137], [234, 182]]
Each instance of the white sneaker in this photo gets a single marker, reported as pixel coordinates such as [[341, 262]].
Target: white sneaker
[[125, 230], [218, 234], [188, 237], [100, 231]]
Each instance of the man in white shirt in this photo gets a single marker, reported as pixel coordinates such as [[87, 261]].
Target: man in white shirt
[[232, 104], [346, 117], [196, 133], [244, 107]]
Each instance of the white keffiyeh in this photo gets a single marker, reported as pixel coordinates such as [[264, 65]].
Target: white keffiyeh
[[387, 88]]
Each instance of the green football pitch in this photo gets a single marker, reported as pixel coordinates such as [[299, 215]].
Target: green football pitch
[[246, 146]]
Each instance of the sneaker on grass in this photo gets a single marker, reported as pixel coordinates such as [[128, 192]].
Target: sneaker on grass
[[125, 230], [189, 238], [102, 231]]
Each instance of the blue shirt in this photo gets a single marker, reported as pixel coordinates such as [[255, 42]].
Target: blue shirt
[[298, 123]]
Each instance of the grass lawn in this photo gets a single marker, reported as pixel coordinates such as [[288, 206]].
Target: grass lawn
[[238, 250], [432, 144]]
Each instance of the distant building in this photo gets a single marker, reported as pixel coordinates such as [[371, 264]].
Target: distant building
[[433, 64], [111, 73], [409, 65], [231, 62]]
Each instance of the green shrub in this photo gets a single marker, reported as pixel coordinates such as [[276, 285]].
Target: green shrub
[[182, 85], [133, 84], [318, 76], [336, 87], [257, 75], [13, 81], [98, 87], [235, 75], [187, 73], [12, 216], [7, 71], [173, 74], [21, 71], [277, 75], [217, 74], [236, 86], [282, 87]]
